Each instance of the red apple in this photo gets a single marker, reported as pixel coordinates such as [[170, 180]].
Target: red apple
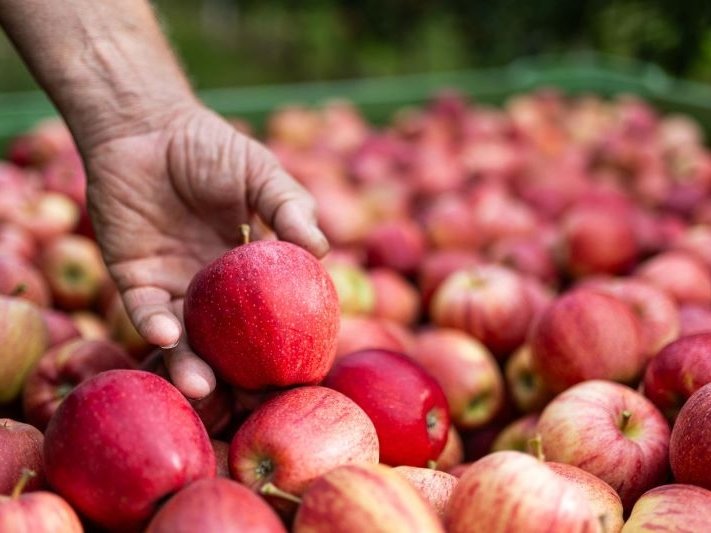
[[438, 266], [677, 371], [122, 442], [524, 384], [449, 224], [585, 334], [47, 216], [46, 141], [681, 274], [453, 452], [65, 175], [23, 337], [611, 431], [20, 448], [299, 435], [526, 255], [19, 278], [264, 314], [517, 435], [412, 424], [395, 298], [497, 214], [61, 369], [216, 505], [358, 498], [60, 327], [362, 333], [434, 486], [294, 125], [397, 244], [512, 491], [74, 269], [694, 319], [466, 371], [690, 446], [17, 241], [90, 325], [343, 214], [675, 507], [487, 301]]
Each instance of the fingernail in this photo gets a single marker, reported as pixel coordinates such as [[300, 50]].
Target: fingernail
[[171, 346]]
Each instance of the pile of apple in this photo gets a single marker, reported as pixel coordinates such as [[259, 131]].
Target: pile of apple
[[512, 332]]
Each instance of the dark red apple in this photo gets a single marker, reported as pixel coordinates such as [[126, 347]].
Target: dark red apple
[[405, 403], [264, 314], [690, 445], [121, 443], [395, 298], [20, 448]]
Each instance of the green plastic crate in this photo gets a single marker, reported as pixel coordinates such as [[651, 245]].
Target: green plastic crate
[[380, 97]]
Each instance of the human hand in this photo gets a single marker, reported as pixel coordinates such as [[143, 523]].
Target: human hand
[[167, 201]]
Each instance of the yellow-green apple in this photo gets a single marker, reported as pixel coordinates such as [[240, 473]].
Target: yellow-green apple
[[657, 312], [585, 334], [121, 443], [449, 224], [517, 435], [611, 431], [397, 244], [23, 337], [674, 507], [690, 446], [222, 457], [680, 274], [364, 497], [396, 298], [603, 499], [20, 448], [61, 369], [694, 319], [487, 301], [38, 512], [361, 333], [74, 269], [434, 486], [355, 289], [122, 330], [60, 327], [215, 505], [412, 423], [453, 452], [298, 435], [437, 266], [264, 314], [525, 386], [19, 278], [17, 241], [512, 491], [466, 371], [47, 216], [677, 371]]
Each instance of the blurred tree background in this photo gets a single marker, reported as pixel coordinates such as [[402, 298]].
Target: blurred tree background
[[227, 43]]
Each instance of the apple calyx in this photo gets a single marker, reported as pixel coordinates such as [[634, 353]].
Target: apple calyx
[[270, 489], [264, 469], [245, 231], [476, 408], [19, 289], [625, 420], [25, 477], [63, 390], [433, 419], [432, 465], [535, 445]]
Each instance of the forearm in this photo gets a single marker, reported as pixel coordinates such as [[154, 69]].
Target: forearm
[[105, 64]]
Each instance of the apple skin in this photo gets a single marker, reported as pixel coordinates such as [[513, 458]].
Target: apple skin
[[603, 499], [23, 337], [680, 274], [434, 486], [298, 435], [60, 327], [397, 244], [215, 505], [583, 426], [20, 447], [361, 333], [466, 371], [453, 452], [449, 224], [694, 319], [677, 371], [74, 269], [512, 491], [437, 266], [690, 446], [487, 301], [517, 435], [525, 386], [412, 424], [38, 512], [47, 216], [120, 443], [358, 498], [264, 314], [356, 292], [395, 298], [17, 242], [61, 369], [21, 279], [670, 508], [585, 334], [90, 325]]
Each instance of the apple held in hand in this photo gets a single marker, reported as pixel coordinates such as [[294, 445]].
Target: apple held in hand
[[611, 431], [122, 442], [359, 498], [298, 435], [216, 505], [675, 507], [20, 448], [264, 314], [690, 446], [407, 406]]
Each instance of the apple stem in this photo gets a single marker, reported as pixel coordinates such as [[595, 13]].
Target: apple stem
[[432, 465], [626, 415], [244, 229], [270, 489], [27, 474], [19, 289], [536, 446]]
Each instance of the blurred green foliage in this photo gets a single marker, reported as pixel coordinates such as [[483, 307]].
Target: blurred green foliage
[[234, 43]]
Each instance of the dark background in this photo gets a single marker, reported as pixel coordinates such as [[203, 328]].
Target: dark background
[[226, 43]]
